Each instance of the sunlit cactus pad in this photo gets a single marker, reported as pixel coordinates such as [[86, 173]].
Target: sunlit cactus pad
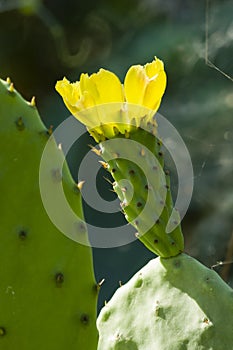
[[170, 304], [47, 288]]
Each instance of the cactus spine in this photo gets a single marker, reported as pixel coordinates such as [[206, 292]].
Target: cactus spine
[[47, 287]]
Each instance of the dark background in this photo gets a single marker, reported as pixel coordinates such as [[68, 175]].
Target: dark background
[[42, 41]]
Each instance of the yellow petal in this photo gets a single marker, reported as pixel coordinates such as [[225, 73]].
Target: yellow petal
[[87, 112], [69, 92], [155, 90], [87, 100], [88, 86], [154, 68], [135, 84], [108, 86]]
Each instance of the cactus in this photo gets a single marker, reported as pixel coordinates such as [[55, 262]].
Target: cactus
[[173, 304], [133, 121], [47, 287], [150, 207]]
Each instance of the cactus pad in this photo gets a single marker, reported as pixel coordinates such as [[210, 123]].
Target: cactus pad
[[47, 287], [170, 304], [146, 200]]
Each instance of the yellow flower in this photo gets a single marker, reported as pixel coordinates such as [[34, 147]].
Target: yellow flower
[[101, 99], [99, 88], [70, 93], [145, 85]]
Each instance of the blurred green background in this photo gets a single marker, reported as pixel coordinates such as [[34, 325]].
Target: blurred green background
[[42, 41]]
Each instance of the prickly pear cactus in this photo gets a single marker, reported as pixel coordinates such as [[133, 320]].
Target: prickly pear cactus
[[135, 159], [47, 287], [173, 303], [170, 304]]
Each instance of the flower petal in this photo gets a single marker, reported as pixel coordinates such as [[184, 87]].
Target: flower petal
[[108, 86], [155, 90], [87, 111], [135, 84], [88, 86], [154, 68], [70, 93]]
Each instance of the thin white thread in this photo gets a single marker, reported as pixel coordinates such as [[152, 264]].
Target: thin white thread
[[208, 62]]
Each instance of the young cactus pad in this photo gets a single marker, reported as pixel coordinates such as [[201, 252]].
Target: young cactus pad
[[47, 287], [170, 304], [121, 119]]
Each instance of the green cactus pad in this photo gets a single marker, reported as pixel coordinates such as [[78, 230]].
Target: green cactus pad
[[136, 163], [47, 287], [170, 304]]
